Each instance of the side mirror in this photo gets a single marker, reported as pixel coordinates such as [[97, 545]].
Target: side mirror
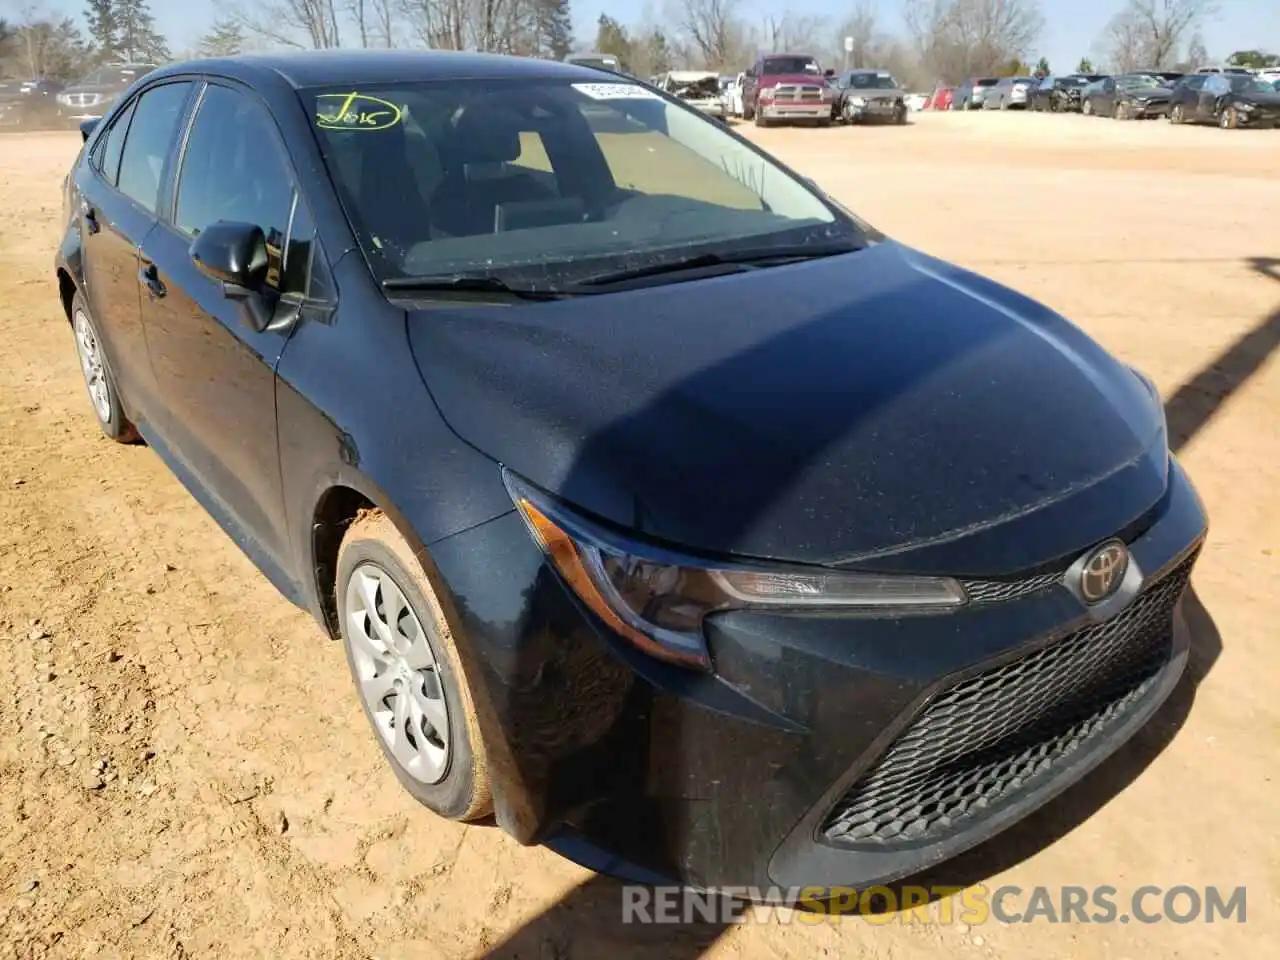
[[87, 127], [235, 255], [829, 72]]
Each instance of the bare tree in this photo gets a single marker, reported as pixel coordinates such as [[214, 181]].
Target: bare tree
[[357, 10], [292, 23], [794, 33], [1149, 33], [439, 24], [959, 38], [384, 14], [860, 27], [713, 30]]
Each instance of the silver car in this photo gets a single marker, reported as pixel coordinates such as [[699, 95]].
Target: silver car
[[1010, 93]]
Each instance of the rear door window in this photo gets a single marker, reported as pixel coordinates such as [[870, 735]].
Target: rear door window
[[106, 155], [149, 142]]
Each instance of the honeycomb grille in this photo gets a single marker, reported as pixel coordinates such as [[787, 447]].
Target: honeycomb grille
[[1001, 732], [998, 591]]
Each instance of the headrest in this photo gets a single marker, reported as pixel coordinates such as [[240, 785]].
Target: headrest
[[482, 134]]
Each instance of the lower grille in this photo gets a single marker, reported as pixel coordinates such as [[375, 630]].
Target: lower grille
[[1003, 731]]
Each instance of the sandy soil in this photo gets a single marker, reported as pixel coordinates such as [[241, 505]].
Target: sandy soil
[[183, 768]]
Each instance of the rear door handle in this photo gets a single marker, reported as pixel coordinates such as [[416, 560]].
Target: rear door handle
[[150, 276], [90, 216]]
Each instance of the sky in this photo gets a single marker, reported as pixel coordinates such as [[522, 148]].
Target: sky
[[1072, 27]]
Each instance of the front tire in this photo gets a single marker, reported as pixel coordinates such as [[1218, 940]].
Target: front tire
[[1175, 113], [104, 396], [1228, 119], [1087, 108], [408, 676]]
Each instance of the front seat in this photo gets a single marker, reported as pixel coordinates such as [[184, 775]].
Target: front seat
[[482, 142]]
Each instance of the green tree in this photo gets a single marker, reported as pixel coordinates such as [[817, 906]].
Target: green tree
[[138, 40], [1042, 68], [660, 55], [612, 37], [104, 28], [1084, 66], [226, 39], [1255, 59], [553, 23]]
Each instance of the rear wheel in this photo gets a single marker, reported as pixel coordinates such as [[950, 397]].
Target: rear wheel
[[103, 394], [408, 676]]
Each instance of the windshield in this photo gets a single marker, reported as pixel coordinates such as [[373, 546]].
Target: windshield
[[777, 66], [1141, 82], [113, 76], [1249, 85], [872, 81], [550, 178]]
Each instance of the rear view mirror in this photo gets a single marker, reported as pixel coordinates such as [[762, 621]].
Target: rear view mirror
[[235, 255]]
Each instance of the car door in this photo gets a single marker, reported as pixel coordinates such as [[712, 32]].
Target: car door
[[119, 191], [1213, 87], [1187, 96], [215, 373]]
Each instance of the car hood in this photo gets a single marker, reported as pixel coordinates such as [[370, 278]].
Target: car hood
[[1261, 99], [881, 408], [773, 79]]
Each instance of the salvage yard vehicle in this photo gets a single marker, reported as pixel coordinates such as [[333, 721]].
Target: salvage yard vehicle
[[971, 94], [699, 88], [862, 95], [664, 508], [1229, 100], [1130, 96], [92, 96], [940, 99], [1009, 93], [1058, 94], [29, 103], [786, 87]]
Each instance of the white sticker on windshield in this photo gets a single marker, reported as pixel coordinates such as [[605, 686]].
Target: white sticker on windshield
[[616, 91]]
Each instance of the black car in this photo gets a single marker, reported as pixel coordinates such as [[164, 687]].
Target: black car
[[1058, 94], [1229, 100], [92, 96], [29, 103], [665, 510], [1130, 96]]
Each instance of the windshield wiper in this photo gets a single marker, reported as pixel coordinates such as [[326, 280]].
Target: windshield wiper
[[471, 283], [737, 260]]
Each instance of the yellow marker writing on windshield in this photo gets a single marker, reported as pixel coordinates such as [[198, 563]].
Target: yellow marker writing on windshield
[[356, 111]]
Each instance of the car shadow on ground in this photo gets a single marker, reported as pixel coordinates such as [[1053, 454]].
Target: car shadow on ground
[[590, 916]]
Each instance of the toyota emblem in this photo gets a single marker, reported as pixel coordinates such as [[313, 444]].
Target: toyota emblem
[[1103, 571]]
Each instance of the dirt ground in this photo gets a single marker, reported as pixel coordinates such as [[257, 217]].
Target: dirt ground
[[184, 771]]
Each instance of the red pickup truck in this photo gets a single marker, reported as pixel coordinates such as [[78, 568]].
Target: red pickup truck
[[786, 87]]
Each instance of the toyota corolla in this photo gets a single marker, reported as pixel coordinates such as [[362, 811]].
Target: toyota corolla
[[664, 508]]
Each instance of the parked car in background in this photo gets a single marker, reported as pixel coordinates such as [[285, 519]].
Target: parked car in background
[[1009, 93], [698, 88], [597, 61], [30, 103], [916, 101], [863, 95], [662, 509], [1130, 96], [970, 94], [1229, 100], [940, 99], [1237, 71], [92, 96], [786, 87], [1057, 94], [1166, 77]]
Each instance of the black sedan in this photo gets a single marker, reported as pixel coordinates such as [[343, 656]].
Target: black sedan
[[1058, 94], [1131, 96], [664, 509], [29, 103], [1228, 100]]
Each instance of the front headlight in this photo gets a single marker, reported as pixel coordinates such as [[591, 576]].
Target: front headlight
[[1242, 105], [858, 101], [657, 600]]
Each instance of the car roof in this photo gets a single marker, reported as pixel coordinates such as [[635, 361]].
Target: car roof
[[314, 68]]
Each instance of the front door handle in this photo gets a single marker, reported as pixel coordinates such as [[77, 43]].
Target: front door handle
[[150, 276]]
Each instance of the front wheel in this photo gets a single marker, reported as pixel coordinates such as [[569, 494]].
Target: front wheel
[[760, 119], [405, 664], [98, 380], [1175, 113], [1087, 108], [1121, 111], [1228, 119]]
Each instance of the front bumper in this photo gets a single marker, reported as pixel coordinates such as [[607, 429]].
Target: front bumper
[[1258, 117], [877, 109], [824, 750], [1149, 110], [809, 110]]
